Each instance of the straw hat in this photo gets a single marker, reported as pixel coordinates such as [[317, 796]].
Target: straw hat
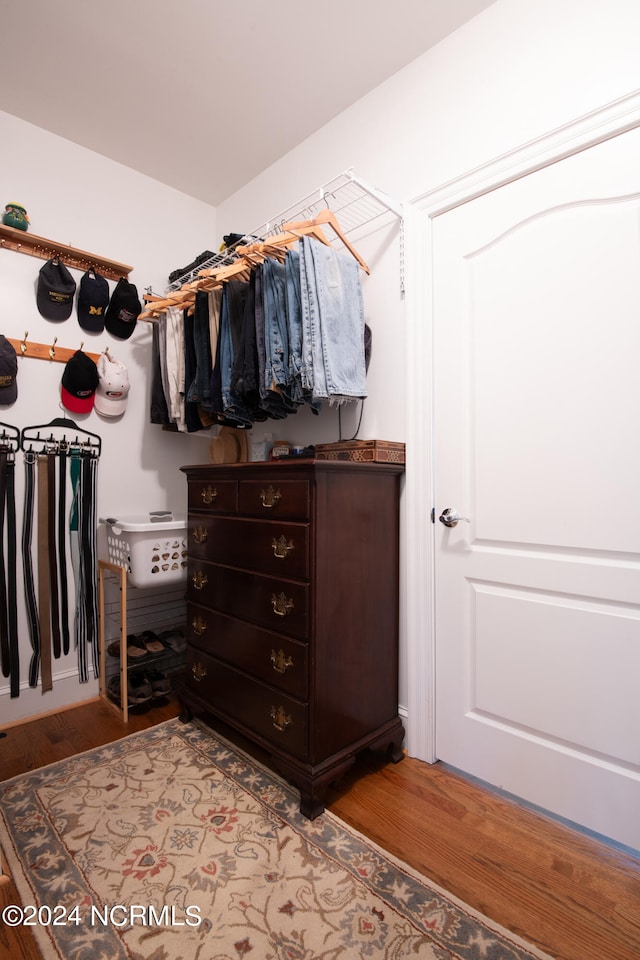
[[230, 446]]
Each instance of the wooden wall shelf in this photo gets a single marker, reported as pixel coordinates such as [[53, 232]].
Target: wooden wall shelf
[[22, 241]]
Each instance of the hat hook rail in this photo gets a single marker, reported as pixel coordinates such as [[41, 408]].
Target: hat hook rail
[[45, 249], [45, 351]]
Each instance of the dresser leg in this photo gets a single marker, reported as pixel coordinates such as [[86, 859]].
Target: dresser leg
[[313, 789], [391, 742], [395, 751], [312, 803], [186, 713]]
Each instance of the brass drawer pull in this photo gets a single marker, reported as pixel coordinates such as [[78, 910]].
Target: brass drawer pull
[[281, 720], [200, 534], [270, 497], [282, 549], [200, 580], [199, 626], [199, 671], [280, 662], [282, 605], [208, 494]]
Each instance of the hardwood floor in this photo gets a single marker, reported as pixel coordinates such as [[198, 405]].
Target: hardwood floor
[[573, 896]]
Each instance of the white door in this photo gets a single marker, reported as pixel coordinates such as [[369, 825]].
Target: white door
[[537, 443]]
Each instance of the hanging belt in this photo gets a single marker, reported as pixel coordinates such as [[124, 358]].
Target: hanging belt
[[82, 536], [12, 600], [92, 563], [27, 568], [62, 549], [82, 619], [87, 605], [44, 606], [53, 564], [5, 654]]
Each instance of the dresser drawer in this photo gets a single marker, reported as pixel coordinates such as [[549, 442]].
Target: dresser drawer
[[274, 547], [214, 496], [279, 660], [278, 604], [280, 719], [272, 497]]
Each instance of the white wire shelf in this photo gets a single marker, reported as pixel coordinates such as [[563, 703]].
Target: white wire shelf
[[356, 204]]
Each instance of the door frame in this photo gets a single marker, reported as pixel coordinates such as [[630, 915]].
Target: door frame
[[419, 547]]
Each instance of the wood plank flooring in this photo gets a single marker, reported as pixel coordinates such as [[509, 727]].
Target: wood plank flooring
[[573, 896]]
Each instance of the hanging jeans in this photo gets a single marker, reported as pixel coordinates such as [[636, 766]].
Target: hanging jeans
[[296, 390], [272, 403], [231, 339], [199, 390], [275, 325], [333, 364]]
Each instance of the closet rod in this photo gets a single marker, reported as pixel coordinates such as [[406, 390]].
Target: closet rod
[[21, 241]]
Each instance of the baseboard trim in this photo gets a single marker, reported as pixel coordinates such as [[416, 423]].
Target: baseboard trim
[[49, 713]]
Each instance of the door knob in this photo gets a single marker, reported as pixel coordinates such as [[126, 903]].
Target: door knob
[[450, 517]]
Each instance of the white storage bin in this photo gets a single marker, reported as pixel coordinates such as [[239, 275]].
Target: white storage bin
[[153, 553]]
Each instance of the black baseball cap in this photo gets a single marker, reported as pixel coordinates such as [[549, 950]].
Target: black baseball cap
[[8, 373], [123, 310], [93, 300], [56, 290]]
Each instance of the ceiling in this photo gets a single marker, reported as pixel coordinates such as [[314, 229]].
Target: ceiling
[[199, 94]]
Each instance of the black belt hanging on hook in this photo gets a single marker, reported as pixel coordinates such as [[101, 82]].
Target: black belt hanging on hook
[[27, 567], [44, 605], [8, 603], [4, 612], [53, 555], [62, 548], [11, 582], [83, 524]]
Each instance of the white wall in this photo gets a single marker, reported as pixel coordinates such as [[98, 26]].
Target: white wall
[[517, 71], [79, 198]]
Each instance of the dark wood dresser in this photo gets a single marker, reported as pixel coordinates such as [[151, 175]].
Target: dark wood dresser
[[292, 611]]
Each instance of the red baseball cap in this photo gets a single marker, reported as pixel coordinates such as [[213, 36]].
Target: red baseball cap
[[79, 383]]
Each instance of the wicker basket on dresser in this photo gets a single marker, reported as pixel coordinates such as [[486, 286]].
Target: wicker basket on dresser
[[292, 611]]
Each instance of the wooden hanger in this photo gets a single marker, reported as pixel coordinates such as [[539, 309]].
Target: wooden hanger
[[328, 216], [185, 297], [275, 245], [247, 254]]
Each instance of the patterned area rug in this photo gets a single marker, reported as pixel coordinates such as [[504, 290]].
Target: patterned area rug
[[172, 844]]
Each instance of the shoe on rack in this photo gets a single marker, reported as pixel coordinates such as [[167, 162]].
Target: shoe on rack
[[175, 639], [160, 683], [135, 647], [151, 641], [138, 689], [113, 648], [135, 650]]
